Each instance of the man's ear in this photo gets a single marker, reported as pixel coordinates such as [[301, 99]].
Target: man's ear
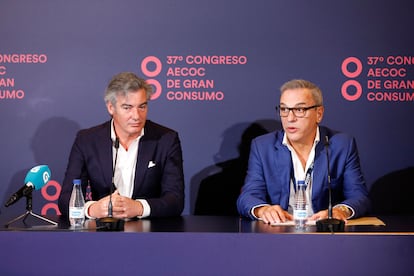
[[319, 114], [110, 108]]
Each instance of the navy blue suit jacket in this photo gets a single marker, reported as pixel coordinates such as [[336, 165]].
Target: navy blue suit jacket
[[161, 185], [270, 169]]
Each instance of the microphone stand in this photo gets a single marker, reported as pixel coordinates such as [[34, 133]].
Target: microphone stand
[[329, 224], [29, 212], [110, 223]]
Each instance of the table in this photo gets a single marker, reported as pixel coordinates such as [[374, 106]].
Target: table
[[204, 245]]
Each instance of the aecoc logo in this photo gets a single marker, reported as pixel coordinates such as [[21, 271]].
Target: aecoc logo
[[51, 192], [351, 85], [151, 73]]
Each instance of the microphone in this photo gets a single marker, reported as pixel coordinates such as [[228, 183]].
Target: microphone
[[110, 223], [116, 145], [330, 224], [35, 179]]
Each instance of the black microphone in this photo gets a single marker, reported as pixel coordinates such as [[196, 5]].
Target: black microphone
[[116, 145], [330, 224], [110, 223]]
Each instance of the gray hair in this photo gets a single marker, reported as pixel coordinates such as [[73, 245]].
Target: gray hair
[[124, 83], [298, 83]]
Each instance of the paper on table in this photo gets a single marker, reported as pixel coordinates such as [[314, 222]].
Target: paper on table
[[292, 223], [351, 222], [365, 221]]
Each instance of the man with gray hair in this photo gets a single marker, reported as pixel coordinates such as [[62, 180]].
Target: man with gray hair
[[299, 152], [148, 175]]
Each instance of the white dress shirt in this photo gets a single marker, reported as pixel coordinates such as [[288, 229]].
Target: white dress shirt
[[124, 175]]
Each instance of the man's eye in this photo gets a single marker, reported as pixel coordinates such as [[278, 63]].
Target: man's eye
[[284, 109], [300, 110], [126, 107]]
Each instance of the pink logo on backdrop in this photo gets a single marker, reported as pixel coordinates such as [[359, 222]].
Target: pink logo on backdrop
[[151, 67], [351, 89], [187, 77], [51, 192]]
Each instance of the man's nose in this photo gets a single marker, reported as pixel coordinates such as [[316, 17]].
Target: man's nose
[[291, 116], [135, 113]]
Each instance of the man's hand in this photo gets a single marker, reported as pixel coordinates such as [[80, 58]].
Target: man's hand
[[272, 214], [337, 213], [122, 207], [125, 207]]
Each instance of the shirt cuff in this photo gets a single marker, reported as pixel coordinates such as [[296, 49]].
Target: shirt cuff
[[254, 208], [349, 208], [146, 209], [86, 210]]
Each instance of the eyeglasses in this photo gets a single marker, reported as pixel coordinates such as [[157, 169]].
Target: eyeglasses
[[299, 112]]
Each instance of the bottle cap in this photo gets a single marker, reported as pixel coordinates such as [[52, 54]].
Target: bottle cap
[[76, 181]]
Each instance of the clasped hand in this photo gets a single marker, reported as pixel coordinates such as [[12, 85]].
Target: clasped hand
[[276, 214], [122, 207]]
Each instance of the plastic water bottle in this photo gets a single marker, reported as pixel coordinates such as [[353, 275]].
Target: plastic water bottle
[[76, 205], [300, 211]]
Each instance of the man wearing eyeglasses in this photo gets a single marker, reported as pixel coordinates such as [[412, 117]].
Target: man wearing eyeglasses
[[298, 152]]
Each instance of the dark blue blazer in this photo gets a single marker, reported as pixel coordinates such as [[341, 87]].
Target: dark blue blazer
[[161, 185], [270, 169]]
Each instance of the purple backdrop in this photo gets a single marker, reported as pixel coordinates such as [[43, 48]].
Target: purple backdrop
[[229, 58]]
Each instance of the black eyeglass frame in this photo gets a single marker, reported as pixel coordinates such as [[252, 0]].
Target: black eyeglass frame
[[295, 109]]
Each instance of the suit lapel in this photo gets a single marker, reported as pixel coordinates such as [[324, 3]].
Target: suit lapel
[[318, 172], [320, 167], [146, 153], [282, 162], [105, 154]]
